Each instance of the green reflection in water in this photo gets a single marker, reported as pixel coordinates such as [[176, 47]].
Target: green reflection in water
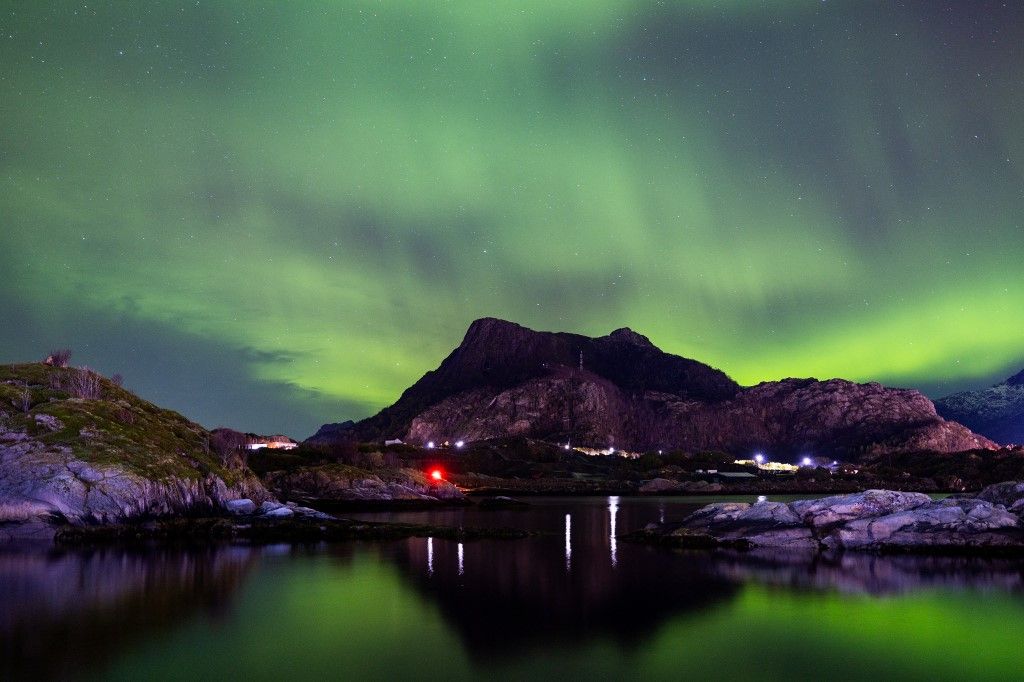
[[322, 617]]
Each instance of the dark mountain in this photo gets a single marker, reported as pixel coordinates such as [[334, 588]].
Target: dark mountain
[[507, 380], [996, 412], [498, 355]]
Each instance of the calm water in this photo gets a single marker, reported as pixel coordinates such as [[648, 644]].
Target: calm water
[[575, 604]]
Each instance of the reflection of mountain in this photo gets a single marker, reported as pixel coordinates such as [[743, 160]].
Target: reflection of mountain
[[62, 613], [512, 598], [504, 597]]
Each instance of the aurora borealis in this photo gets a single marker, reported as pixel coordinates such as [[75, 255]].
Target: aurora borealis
[[272, 215]]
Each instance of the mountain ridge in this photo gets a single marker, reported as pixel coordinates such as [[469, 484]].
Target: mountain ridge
[[507, 380], [996, 412]]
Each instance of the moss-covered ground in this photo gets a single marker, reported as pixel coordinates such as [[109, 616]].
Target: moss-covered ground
[[116, 428]]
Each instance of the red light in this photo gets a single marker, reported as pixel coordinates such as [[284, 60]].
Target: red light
[[436, 474]]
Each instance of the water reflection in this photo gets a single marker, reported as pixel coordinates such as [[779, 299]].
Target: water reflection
[[62, 612], [568, 543], [613, 511], [507, 597], [495, 602]]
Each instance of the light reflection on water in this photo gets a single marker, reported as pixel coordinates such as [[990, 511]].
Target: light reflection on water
[[613, 511], [568, 543], [594, 606]]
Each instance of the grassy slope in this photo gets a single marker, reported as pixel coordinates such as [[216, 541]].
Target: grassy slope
[[120, 427]]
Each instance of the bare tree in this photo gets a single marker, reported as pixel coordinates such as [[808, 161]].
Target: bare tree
[[23, 401], [117, 380], [230, 446], [78, 383], [59, 358]]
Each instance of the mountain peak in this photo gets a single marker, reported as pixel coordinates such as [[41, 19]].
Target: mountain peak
[[629, 336], [1016, 379], [486, 326]]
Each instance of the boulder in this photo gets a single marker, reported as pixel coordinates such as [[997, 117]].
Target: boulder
[[242, 507], [950, 524], [764, 524], [279, 513], [829, 511], [1009, 494]]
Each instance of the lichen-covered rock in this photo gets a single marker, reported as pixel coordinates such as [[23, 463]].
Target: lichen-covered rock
[[765, 524], [829, 511], [875, 520], [947, 523]]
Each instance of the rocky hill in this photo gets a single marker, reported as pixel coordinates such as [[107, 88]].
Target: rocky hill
[[996, 412], [507, 380], [497, 355], [77, 448]]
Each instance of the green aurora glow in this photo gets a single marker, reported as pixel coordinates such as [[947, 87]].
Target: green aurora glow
[[275, 216]]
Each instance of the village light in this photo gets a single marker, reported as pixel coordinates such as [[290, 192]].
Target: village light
[[437, 475], [430, 445], [459, 443], [759, 458], [565, 447], [806, 461]]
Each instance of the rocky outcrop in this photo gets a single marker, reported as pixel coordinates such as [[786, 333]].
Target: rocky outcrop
[[996, 412], [110, 459], [875, 520], [505, 380], [764, 524], [42, 487], [340, 483], [947, 524]]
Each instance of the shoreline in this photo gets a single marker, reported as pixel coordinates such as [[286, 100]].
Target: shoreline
[[879, 521]]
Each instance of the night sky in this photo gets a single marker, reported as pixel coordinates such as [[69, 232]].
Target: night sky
[[272, 215]]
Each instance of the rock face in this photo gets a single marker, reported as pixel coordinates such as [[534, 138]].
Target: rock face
[[996, 412], [875, 520], [106, 460], [506, 380]]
